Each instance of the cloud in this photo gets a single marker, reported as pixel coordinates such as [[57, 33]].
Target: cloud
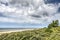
[[28, 11], [52, 1]]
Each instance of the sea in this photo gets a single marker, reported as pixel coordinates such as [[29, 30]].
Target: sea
[[13, 29]]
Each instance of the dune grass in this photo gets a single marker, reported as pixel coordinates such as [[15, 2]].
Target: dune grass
[[38, 34]]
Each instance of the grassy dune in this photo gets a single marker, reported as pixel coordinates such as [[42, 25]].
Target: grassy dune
[[38, 34]]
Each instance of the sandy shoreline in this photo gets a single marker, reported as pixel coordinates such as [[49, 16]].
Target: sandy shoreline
[[14, 31]]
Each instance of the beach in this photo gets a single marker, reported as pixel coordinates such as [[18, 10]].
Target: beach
[[9, 31]]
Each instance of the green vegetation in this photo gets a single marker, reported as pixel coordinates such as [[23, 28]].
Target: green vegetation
[[54, 24], [50, 33]]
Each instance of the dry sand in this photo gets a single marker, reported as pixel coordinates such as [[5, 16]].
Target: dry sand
[[14, 31]]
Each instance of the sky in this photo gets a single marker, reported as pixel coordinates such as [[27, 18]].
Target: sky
[[28, 13]]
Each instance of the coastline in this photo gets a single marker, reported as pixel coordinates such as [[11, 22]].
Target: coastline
[[9, 31]]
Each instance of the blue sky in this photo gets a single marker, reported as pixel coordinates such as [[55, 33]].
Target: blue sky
[[28, 13]]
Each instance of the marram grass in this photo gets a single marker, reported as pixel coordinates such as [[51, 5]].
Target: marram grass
[[38, 34]]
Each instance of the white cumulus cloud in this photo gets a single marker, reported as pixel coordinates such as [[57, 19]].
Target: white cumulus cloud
[[28, 11]]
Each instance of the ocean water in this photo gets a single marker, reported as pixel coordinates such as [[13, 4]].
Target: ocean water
[[11, 29]]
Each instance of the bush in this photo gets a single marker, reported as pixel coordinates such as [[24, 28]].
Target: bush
[[54, 24]]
